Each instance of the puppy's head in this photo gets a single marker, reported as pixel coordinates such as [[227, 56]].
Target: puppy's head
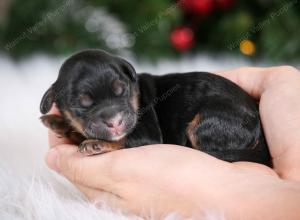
[[97, 93]]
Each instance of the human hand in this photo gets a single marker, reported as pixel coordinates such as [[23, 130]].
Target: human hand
[[167, 178], [278, 92]]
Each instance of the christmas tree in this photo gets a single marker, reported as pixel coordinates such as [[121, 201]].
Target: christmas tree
[[153, 29]]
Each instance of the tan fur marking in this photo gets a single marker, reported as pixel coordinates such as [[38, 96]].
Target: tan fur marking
[[191, 132], [94, 147], [115, 145], [55, 123], [75, 123], [135, 100], [255, 145]]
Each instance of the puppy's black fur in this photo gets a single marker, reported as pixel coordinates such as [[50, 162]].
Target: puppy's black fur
[[196, 109]]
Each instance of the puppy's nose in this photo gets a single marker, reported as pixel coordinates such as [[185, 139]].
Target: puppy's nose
[[115, 122]]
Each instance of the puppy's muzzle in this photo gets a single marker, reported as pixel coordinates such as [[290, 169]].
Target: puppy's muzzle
[[114, 125], [110, 121]]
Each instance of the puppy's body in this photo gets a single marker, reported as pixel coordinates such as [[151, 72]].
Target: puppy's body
[[202, 111], [198, 110]]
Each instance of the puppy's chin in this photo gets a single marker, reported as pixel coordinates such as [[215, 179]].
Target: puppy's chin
[[102, 132], [105, 134], [106, 137], [117, 137]]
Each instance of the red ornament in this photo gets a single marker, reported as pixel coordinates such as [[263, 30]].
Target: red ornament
[[225, 4], [182, 38], [202, 7]]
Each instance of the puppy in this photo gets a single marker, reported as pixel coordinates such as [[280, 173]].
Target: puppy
[[106, 106]]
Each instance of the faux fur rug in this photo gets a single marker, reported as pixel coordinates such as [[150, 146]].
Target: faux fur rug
[[28, 190]]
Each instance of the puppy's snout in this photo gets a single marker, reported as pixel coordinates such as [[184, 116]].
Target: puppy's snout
[[114, 122], [115, 125]]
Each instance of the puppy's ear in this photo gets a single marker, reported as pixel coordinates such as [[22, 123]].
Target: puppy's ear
[[47, 101], [129, 70]]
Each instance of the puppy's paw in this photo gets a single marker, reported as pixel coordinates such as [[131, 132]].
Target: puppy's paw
[[91, 147], [55, 123]]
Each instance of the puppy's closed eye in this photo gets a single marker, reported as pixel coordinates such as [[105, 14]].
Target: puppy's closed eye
[[118, 87], [85, 100]]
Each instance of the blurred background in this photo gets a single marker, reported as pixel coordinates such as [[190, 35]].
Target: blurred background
[[152, 30], [157, 36]]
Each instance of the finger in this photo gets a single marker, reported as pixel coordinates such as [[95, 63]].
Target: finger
[[251, 79], [94, 172], [73, 170]]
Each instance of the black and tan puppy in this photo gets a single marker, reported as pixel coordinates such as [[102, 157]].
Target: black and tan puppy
[[106, 106]]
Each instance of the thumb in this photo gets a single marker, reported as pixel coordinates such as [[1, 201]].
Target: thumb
[[94, 172], [252, 79]]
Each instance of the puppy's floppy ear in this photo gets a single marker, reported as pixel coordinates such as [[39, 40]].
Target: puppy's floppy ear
[[47, 101], [129, 70]]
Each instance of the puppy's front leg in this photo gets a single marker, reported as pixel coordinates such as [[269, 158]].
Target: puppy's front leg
[[59, 126], [92, 147], [56, 123]]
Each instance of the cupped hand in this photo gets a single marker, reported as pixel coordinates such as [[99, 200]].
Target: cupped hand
[[166, 178], [278, 92]]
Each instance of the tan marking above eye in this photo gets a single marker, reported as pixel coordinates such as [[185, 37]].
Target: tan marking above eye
[[85, 100], [118, 87], [135, 100]]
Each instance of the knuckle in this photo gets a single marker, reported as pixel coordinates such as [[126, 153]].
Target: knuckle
[[290, 69], [283, 73]]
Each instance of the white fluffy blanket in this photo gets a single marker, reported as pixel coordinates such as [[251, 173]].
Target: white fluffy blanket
[[28, 190]]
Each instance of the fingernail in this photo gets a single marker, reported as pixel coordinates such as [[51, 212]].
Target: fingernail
[[53, 159]]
